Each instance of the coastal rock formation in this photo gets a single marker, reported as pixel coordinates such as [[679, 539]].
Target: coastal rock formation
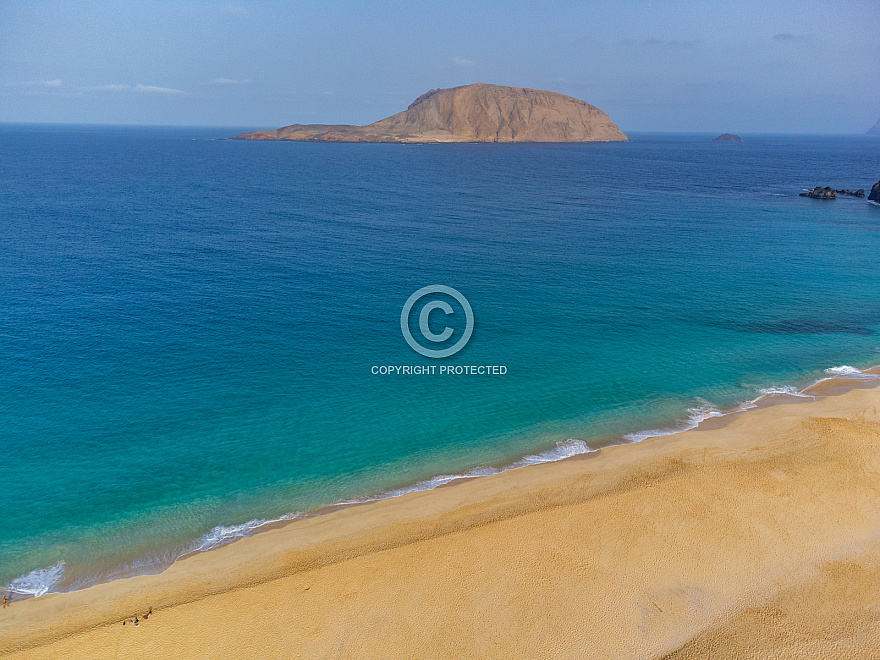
[[821, 193], [831, 193], [875, 129], [472, 113], [874, 196], [728, 137]]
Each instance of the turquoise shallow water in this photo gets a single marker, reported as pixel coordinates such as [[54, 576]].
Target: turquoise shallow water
[[189, 325]]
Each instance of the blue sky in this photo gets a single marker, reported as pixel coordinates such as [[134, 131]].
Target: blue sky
[[739, 66]]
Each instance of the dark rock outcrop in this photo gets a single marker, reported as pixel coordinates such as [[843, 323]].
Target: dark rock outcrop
[[472, 113], [874, 195], [728, 137], [821, 193], [831, 193]]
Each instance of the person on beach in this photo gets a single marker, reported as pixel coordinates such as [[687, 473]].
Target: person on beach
[[147, 615], [136, 620], [5, 602]]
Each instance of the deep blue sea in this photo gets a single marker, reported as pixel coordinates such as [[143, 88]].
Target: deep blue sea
[[189, 326]]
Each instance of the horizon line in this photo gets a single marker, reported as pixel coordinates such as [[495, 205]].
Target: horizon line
[[255, 127]]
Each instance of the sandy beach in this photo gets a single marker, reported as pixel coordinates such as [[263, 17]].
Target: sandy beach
[[756, 535]]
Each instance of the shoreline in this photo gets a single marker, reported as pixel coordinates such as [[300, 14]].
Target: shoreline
[[839, 380], [454, 517]]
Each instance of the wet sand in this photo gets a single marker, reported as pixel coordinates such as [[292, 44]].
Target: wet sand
[[758, 538]]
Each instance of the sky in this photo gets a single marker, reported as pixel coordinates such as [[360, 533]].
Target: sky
[[741, 66]]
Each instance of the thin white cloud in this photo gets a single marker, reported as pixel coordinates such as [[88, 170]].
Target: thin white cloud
[[157, 90], [35, 83], [229, 81], [235, 10], [55, 84], [460, 61]]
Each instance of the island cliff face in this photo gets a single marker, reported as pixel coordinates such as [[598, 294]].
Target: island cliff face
[[875, 129], [472, 113]]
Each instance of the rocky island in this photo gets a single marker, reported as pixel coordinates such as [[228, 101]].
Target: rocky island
[[820, 193], [831, 193], [874, 195], [728, 137], [875, 129], [471, 113]]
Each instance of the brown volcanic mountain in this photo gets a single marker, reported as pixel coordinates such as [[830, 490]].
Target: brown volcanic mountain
[[472, 113]]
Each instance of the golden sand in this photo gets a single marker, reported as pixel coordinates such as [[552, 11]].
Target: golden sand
[[756, 538]]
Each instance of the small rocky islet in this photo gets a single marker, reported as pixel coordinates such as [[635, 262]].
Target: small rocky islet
[[826, 192], [831, 193]]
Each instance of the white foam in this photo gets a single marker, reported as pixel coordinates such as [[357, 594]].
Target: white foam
[[783, 390], [44, 580], [563, 449], [843, 371], [38, 582], [695, 417], [847, 371], [223, 534], [427, 484]]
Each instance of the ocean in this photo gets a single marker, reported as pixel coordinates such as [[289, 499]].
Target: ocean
[[193, 330]]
